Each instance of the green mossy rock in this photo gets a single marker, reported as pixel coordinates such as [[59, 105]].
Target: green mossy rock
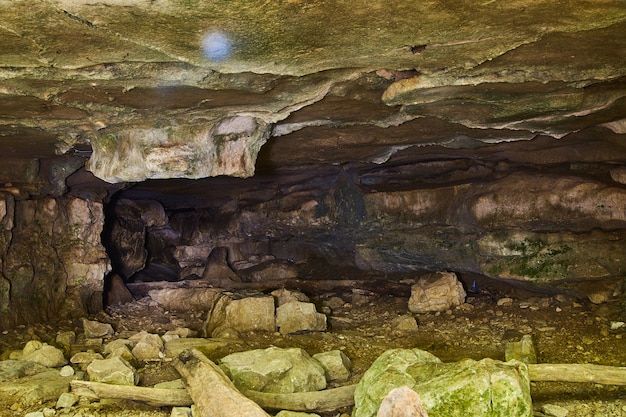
[[468, 388]]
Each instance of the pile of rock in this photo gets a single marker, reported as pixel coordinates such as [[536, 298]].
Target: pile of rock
[[244, 312]]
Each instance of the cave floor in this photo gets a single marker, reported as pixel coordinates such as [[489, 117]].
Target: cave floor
[[564, 330]]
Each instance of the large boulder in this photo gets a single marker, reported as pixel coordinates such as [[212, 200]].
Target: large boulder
[[436, 292], [296, 317], [242, 312], [274, 370], [468, 388]]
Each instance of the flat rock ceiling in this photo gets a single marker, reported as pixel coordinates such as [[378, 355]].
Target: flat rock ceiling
[[134, 89]]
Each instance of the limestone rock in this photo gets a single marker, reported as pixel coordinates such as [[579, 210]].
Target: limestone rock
[[149, 347], [401, 402], [287, 413], [226, 146], [404, 323], [83, 359], [119, 347], [94, 329], [271, 270], [66, 371], [242, 313], [274, 370], [217, 268], [43, 354], [297, 317], [116, 292], [554, 410], [181, 412], [284, 296], [113, 370], [184, 299], [66, 400], [482, 388], [66, 339], [437, 292], [30, 383], [336, 365], [523, 351]]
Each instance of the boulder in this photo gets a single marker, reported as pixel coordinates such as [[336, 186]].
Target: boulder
[[436, 292], [274, 370], [113, 370], [149, 347], [43, 354], [486, 388], [296, 316], [336, 365], [94, 329], [242, 313]]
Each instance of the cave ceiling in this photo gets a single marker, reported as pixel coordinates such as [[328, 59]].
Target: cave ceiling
[[98, 93]]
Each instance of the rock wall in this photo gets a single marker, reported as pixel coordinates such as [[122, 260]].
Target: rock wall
[[52, 262], [543, 227]]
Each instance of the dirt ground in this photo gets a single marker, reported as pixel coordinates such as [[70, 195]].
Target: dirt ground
[[564, 330]]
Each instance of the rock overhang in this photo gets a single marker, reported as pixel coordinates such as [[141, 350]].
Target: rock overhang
[[88, 73]]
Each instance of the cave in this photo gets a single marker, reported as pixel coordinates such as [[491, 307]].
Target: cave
[[343, 151]]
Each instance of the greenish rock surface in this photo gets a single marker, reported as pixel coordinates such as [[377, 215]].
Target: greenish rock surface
[[468, 388], [274, 370]]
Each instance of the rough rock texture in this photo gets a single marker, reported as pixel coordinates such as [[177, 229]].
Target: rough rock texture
[[392, 136], [51, 260], [274, 370], [464, 388], [436, 292]]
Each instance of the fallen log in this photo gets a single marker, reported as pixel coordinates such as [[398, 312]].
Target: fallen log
[[574, 372], [156, 397], [378, 286], [212, 392], [327, 400]]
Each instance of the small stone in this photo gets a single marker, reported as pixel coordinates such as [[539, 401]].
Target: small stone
[[66, 400], [48, 412], [334, 303], [287, 413], [405, 323], [554, 410], [181, 412], [93, 329], [66, 371], [617, 325], [34, 414], [505, 302]]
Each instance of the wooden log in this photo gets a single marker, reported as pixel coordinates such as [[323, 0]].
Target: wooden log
[[322, 401], [598, 374], [212, 392], [157, 397]]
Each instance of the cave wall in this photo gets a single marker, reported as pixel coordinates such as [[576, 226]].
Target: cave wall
[[52, 261], [546, 223]]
